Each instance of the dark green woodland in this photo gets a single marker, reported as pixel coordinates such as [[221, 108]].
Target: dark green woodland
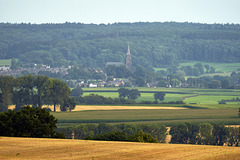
[[91, 45]]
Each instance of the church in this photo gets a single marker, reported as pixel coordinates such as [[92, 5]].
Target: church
[[128, 61]]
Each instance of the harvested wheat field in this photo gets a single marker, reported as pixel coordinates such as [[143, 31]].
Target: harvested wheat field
[[99, 107], [35, 148], [96, 107]]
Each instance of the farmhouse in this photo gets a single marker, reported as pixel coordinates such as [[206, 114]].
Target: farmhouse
[[92, 85]]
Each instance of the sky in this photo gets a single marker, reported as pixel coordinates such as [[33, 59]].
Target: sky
[[113, 11]]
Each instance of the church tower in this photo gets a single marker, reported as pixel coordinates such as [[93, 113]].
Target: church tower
[[128, 59]]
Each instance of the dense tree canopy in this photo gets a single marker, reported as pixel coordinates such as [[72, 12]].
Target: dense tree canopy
[[159, 95], [34, 90], [90, 45], [28, 122]]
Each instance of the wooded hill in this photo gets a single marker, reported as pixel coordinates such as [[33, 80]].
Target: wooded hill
[[91, 45]]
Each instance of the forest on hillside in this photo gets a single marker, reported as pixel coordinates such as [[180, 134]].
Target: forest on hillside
[[92, 45]]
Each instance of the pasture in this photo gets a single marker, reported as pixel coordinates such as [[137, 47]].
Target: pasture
[[189, 95], [144, 96], [5, 62], [36, 148], [220, 67]]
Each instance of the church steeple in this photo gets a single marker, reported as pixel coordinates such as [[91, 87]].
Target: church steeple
[[128, 59], [128, 52]]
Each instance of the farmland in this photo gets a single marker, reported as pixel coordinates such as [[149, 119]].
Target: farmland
[[201, 106], [5, 62], [220, 67], [35, 148], [227, 116], [199, 96]]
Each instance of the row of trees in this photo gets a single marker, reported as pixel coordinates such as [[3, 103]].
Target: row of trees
[[103, 131], [99, 100], [34, 90], [182, 133], [130, 93], [197, 70], [205, 134], [122, 136]]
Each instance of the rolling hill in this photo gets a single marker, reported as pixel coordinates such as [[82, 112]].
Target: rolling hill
[[35, 148]]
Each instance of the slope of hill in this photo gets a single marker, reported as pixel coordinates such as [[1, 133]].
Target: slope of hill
[[34, 148], [90, 45]]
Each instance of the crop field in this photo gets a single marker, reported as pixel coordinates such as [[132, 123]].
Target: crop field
[[5, 62], [36, 148], [208, 99], [228, 116], [199, 96], [220, 67], [202, 106]]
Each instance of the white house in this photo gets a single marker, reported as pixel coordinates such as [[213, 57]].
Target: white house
[[92, 85]]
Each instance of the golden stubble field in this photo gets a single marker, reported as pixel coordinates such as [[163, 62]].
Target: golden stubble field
[[35, 148], [101, 107], [97, 107]]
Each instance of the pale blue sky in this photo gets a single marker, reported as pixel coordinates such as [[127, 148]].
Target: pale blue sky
[[111, 11]]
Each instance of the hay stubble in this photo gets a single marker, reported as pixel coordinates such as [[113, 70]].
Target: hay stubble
[[34, 148]]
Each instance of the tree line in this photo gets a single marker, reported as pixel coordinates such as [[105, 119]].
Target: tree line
[[90, 45], [182, 133], [118, 132], [35, 91], [205, 134]]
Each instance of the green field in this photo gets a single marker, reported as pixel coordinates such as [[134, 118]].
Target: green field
[[203, 107], [228, 116], [220, 67], [144, 96], [5, 62], [198, 96]]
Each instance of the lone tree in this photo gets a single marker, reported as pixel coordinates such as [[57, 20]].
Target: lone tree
[[123, 92], [133, 94], [159, 95], [28, 122]]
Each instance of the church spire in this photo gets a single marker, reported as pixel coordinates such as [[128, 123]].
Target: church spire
[[128, 49], [128, 59]]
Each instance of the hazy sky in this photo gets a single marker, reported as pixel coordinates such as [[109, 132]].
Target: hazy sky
[[111, 11]]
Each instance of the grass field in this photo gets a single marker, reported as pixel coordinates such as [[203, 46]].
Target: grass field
[[220, 67], [36, 148], [205, 96], [5, 62], [144, 96]]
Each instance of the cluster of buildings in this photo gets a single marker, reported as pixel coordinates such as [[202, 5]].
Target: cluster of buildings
[[14, 72], [5, 70]]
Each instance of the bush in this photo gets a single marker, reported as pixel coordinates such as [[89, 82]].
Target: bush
[[28, 122], [121, 136]]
